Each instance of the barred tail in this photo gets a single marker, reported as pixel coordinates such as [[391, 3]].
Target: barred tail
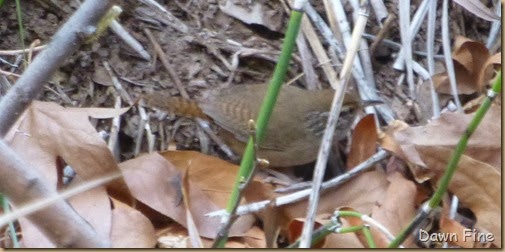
[[174, 104]]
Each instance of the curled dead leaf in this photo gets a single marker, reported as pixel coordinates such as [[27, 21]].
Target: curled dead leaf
[[477, 185], [364, 141], [472, 66]]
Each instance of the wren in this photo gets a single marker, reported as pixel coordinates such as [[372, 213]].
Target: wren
[[295, 128]]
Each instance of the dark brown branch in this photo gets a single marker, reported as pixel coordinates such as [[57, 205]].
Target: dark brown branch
[[20, 183], [23, 185], [64, 43]]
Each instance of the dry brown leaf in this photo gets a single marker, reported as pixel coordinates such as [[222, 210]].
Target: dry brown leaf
[[397, 210], [176, 236], [270, 225], [255, 13], [360, 193], [214, 176], [477, 185], [488, 70], [92, 205], [387, 141], [130, 228], [155, 182], [469, 53], [254, 238], [173, 235], [47, 131], [484, 145], [364, 141], [194, 237], [477, 180], [295, 228], [449, 226], [471, 65]]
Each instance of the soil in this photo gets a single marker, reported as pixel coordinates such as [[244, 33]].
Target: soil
[[210, 54]]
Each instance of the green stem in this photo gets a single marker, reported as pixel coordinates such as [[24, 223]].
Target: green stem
[[462, 144], [334, 227], [443, 184], [247, 164], [369, 237], [12, 230]]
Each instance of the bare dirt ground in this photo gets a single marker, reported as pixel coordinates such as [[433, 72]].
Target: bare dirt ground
[[208, 47], [202, 56]]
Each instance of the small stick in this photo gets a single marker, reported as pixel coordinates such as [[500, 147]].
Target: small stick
[[205, 126], [495, 27], [393, 45], [150, 137], [446, 41], [131, 41], [114, 131], [430, 41], [382, 33], [301, 195], [380, 11], [407, 36], [308, 70], [30, 52], [140, 130], [166, 63], [414, 27], [7, 74], [117, 85], [322, 156], [16, 52]]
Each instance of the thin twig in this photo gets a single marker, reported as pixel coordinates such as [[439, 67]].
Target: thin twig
[[495, 26], [386, 28], [117, 85], [301, 195], [164, 60], [446, 41], [380, 11], [171, 20], [366, 92], [414, 27], [430, 41], [131, 41], [336, 106], [366, 62], [114, 131], [308, 69], [393, 45], [16, 52], [407, 36]]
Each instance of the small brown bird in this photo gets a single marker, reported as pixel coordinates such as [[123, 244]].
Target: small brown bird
[[295, 129]]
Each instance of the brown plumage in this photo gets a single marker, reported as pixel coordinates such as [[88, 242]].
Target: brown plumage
[[295, 129]]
